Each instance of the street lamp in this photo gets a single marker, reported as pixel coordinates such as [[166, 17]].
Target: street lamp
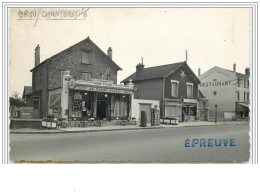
[[123, 107], [216, 113]]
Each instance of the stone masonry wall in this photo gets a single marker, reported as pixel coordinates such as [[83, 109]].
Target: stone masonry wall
[[72, 60]]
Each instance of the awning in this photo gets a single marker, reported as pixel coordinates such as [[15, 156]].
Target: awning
[[244, 104]]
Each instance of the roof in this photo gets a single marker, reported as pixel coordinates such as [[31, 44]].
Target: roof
[[64, 51], [155, 72], [201, 95], [27, 90], [237, 73], [35, 93], [161, 71]]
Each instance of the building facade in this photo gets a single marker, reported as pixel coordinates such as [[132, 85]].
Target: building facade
[[227, 91], [80, 81], [175, 86]]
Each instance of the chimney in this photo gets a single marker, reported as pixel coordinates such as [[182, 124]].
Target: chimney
[[199, 72], [234, 67], [109, 52], [140, 70], [37, 55], [247, 71]]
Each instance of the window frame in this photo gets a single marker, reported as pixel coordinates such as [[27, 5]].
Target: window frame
[[191, 84], [177, 82], [88, 76], [88, 57], [37, 99]]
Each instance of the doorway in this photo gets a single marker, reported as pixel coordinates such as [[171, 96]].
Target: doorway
[[101, 109]]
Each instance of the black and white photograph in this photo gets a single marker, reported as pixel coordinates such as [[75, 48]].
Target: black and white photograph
[[130, 84]]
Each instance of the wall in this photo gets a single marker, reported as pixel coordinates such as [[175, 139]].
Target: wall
[[72, 60], [40, 82], [136, 106], [48, 76], [150, 90], [182, 93], [242, 88], [226, 95]]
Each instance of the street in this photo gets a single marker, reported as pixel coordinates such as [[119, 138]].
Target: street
[[149, 145]]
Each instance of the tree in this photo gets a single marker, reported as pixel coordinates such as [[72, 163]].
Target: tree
[[16, 101]]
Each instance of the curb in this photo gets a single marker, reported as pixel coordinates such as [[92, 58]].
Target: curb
[[81, 131], [102, 130]]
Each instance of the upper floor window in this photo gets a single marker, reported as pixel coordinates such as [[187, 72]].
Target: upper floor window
[[189, 90], [215, 92], [238, 96], [239, 80], [175, 88], [203, 105], [85, 57], [85, 76], [248, 84], [103, 77]]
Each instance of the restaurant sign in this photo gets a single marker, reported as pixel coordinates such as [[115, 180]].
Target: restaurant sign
[[215, 83], [100, 89]]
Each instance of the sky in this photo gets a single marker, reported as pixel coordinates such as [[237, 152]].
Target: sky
[[212, 36]]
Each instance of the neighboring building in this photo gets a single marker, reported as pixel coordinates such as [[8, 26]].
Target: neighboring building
[[203, 107], [227, 89], [174, 85], [80, 81], [27, 90], [139, 105]]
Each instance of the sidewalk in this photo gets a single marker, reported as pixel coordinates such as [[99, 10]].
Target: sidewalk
[[119, 128]]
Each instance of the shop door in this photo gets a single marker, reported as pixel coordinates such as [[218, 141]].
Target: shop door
[[101, 109], [147, 108]]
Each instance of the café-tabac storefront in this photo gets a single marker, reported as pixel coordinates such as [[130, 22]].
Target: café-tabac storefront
[[99, 99]]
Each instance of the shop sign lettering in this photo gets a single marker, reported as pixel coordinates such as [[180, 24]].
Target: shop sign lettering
[[106, 90], [216, 83]]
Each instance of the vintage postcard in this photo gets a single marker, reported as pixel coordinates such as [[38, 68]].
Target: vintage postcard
[[131, 84]]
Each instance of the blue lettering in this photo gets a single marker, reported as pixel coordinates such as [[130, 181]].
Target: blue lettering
[[194, 142], [187, 144], [232, 142], [203, 143], [225, 142], [210, 142], [218, 143]]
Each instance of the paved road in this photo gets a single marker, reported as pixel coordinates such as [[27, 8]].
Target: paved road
[[150, 145]]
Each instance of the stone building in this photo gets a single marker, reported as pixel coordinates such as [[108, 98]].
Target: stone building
[[228, 90], [174, 85], [80, 81]]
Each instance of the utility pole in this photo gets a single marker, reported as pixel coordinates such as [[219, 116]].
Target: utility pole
[[186, 56]]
